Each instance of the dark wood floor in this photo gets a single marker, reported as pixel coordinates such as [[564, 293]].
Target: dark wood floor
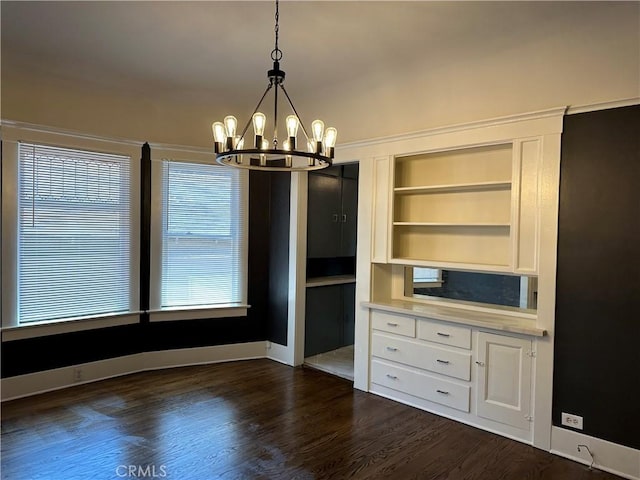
[[251, 420]]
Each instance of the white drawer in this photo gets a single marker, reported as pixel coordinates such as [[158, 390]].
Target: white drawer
[[393, 323], [421, 385], [445, 333], [421, 355]]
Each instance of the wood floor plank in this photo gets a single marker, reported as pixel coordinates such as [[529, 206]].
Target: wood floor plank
[[252, 420]]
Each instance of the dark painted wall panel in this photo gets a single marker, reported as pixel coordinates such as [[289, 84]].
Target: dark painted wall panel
[[597, 359], [280, 203], [257, 288], [55, 351]]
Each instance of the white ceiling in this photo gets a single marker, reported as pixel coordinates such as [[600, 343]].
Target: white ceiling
[[203, 51]]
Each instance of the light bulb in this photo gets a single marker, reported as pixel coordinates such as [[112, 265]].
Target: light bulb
[[263, 157], [311, 146], [286, 145], [330, 137], [259, 121], [330, 141], [218, 132], [230, 123], [239, 144], [218, 136], [292, 125], [317, 126]]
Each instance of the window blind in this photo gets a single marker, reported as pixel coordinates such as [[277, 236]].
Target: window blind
[[204, 238], [73, 233]]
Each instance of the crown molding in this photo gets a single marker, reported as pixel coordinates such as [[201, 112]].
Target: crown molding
[[552, 112], [593, 107]]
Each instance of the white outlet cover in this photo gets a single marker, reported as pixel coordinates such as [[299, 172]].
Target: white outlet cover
[[572, 421]]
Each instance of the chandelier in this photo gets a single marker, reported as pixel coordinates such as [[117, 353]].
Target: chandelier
[[311, 153]]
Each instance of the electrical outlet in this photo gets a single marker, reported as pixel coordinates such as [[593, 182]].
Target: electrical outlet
[[571, 420], [77, 374]]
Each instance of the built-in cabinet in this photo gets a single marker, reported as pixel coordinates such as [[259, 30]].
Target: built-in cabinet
[[331, 252], [478, 198], [329, 318], [332, 213], [468, 373]]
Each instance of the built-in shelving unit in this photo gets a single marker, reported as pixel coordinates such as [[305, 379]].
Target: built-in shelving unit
[[454, 206]]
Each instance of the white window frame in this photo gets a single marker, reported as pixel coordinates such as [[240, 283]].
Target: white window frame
[[12, 134], [159, 153]]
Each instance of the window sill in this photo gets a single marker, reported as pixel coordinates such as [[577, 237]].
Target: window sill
[[56, 327], [169, 314]]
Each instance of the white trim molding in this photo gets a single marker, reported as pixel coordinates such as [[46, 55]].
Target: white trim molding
[[552, 113], [279, 353], [72, 375], [627, 102], [607, 456]]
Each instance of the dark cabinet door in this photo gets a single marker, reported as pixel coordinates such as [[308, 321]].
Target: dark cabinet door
[[330, 318], [323, 320], [349, 218], [324, 216], [349, 313]]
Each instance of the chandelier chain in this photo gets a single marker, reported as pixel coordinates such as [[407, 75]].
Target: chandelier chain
[[276, 53]]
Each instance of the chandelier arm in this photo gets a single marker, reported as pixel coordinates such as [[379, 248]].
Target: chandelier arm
[[246, 127], [304, 130]]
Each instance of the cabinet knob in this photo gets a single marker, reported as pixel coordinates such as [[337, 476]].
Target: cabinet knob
[[480, 364], [445, 362], [392, 349], [440, 334], [344, 218], [335, 218], [442, 392]]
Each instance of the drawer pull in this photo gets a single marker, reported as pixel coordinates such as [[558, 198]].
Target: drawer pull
[[442, 392], [445, 362], [392, 377], [440, 334], [392, 349], [391, 324]]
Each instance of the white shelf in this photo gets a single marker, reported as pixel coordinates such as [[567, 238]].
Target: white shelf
[[456, 187], [448, 224], [330, 280], [455, 206]]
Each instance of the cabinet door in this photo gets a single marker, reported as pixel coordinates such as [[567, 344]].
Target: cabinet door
[[349, 313], [349, 218], [503, 379], [323, 216], [323, 320]]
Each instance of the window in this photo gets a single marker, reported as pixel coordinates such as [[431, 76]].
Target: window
[[74, 233], [204, 238]]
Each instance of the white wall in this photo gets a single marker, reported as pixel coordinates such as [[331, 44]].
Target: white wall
[[589, 56]]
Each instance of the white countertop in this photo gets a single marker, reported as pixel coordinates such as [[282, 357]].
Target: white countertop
[[494, 321]]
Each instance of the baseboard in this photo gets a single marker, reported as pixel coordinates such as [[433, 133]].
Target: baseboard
[[278, 353], [609, 457], [40, 382]]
